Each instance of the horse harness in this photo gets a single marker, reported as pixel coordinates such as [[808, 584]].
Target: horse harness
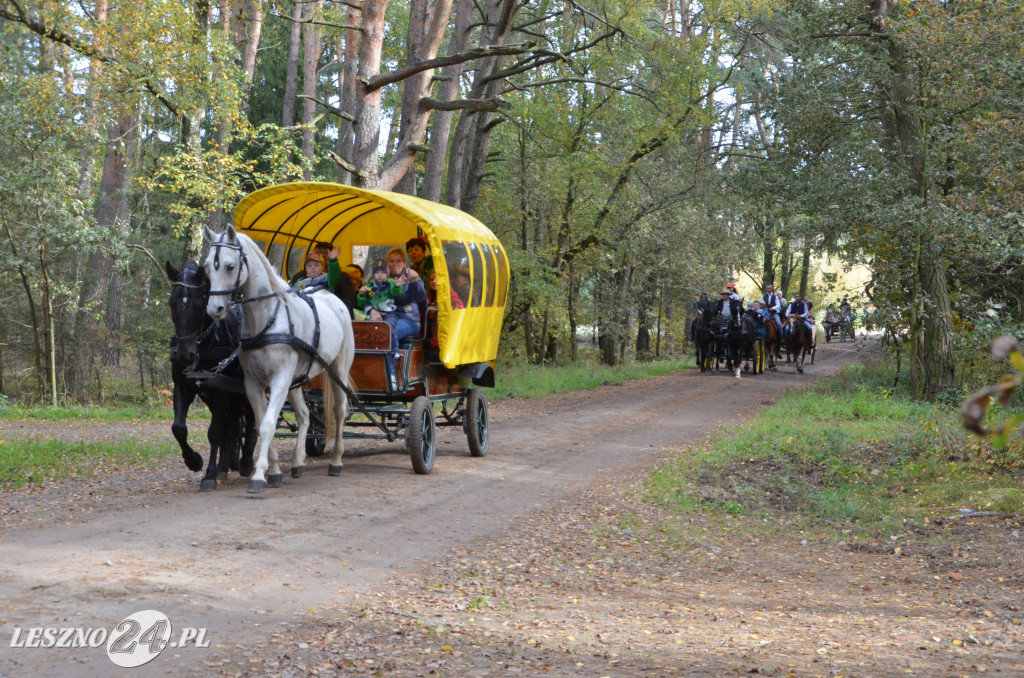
[[265, 338]]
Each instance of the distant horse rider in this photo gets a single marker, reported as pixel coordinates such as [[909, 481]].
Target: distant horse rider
[[772, 303], [704, 304], [797, 307]]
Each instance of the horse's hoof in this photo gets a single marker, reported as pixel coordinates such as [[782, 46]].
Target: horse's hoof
[[333, 470], [298, 471], [256, 486], [193, 461], [222, 478], [275, 480], [246, 467], [208, 485]]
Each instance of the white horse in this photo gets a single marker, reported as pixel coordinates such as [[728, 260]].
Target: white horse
[[280, 329]]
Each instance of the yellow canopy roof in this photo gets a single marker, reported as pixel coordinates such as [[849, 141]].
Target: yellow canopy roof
[[298, 215], [301, 214]]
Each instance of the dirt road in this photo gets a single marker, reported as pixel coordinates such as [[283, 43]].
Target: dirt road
[[89, 553]]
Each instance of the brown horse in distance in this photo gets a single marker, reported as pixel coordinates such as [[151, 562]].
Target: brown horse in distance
[[799, 343]]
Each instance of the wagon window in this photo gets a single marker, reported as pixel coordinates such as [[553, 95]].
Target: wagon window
[[490, 268], [478, 273], [457, 258], [502, 268]]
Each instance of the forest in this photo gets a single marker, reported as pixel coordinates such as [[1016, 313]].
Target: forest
[[628, 155]]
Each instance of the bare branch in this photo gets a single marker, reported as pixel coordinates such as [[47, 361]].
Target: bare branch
[[625, 89], [463, 104], [334, 110], [382, 79], [313, 21], [152, 258], [347, 166]]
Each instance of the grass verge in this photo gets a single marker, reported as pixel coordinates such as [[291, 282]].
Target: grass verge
[[846, 456], [532, 381], [41, 461], [79, 413]]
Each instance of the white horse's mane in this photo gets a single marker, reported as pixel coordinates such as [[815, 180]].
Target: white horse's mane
[[252, 251]]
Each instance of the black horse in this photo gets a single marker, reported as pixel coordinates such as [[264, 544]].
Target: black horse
[[729, 341], [198, 345], [703, 339]]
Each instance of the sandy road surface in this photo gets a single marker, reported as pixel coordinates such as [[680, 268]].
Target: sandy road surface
[[89, 553]]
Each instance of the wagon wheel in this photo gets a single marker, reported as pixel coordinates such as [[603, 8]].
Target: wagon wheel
[[317, 432], [421, 435], [477, 422], [315, 442]]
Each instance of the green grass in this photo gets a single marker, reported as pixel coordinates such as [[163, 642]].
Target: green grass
[[846, 456], [24, 462], [80, 413], [532, 381]]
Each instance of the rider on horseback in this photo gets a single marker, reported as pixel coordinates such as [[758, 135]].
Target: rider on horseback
[[704, 303], [797, 307], [772, 303]]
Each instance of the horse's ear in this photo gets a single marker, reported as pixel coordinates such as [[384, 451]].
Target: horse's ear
[[232, 236], [208, 235], [172, 273]]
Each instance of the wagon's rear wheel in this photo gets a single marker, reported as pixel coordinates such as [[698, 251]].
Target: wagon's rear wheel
[[477, 422], [421, 435], [314, 443]]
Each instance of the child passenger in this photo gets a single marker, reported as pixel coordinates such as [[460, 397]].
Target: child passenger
[[380, 296], [315, 276]]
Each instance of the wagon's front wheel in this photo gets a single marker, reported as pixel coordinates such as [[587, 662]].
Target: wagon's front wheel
[[421, 435], [477, 422]]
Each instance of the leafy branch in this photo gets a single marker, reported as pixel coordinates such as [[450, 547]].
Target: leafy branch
[[972, 414]]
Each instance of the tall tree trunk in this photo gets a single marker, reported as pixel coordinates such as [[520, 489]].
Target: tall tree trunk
[[113, 183], [249, 26], [805, 271], [367, 109], [311, 50], [469, 148], [932, 363], [571, 304], [768, 245], [292, 73], [441, 126], [347, 89]]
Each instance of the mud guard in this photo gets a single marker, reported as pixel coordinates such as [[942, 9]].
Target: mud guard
[[481, 374]]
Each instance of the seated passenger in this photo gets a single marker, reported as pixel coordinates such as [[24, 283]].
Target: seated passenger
[[344, 286], [432, 301], [419, 259], [379, 297], [458, 277], [410, 302], [315, 276]]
